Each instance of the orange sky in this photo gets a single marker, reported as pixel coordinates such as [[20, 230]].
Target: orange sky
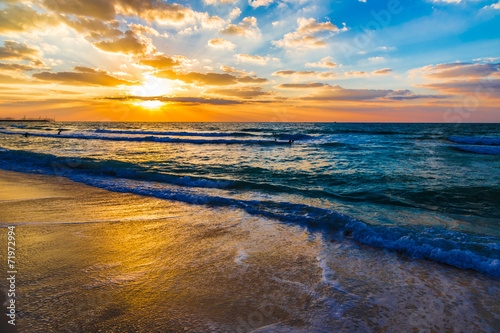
[[233, 60]]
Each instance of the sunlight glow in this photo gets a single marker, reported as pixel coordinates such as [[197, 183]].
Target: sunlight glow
[[152, 87], [149, 104]]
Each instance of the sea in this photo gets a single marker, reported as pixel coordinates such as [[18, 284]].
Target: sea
[[428, 193]]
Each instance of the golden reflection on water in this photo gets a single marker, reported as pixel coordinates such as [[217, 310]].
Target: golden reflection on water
[[159, 266]]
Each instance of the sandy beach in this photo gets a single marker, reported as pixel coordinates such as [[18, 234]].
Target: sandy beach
[[91, 260]]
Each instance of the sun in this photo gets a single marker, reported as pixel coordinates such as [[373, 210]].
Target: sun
[[152, 87]]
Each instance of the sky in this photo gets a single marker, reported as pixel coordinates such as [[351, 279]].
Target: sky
[[251, 60]]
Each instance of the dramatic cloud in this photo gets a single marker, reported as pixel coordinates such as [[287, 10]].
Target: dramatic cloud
[[95, 29], [400, 95], [180, 100], [477, 79], [130, 44], [161, 61], [242, 92], [337, 93], [104, 10], [9, 79], [83, 76], [480, 88], [150, 10], [305, 35], [12, 50], [20, 18], [247, 28], [326, 62], [210, 79], [15, 67], [221, 43], [251, 79], [460, 70]]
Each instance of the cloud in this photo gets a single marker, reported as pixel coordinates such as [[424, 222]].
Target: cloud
[[12, 50], [493, 6], [232, 70], [242, 76], [15, 67], [337, 93], [356, 74], [302, 85], [221, 43], [211, 79], [22, 18], [150, 10], [251, 79], [459, 70], [216, 2], [477, 79], [407, 95], [288, 73], [259, 3], [130, 44], [161, 61], [83, 76], [235, 13], [246, 28], [139, 28], [180, 100], [94, 29], [305, 35], [326, 62], [481, 88], [9, 79], [376, 59], [166, 13], [258, 60], [240, 92], [104, 10], [384, 71]]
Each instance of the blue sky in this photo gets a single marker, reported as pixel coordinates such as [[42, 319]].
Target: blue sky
[[240, 60]]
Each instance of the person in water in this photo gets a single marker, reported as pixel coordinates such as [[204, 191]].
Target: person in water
[[59, 133], [26, 134]]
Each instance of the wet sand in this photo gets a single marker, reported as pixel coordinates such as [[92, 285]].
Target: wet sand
[[91, 260]]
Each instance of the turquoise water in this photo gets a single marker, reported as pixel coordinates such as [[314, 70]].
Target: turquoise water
[[429, 191]]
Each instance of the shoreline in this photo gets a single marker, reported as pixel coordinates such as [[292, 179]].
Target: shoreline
[[136, 263]]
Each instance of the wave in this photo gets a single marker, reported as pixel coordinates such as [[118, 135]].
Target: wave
[[485, 150], [64, 166], [450, 247], [149, 139], [334, 144], [203, 134], [475, 140]]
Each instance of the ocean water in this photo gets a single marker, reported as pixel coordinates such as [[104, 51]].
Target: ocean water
[[254, 227], [427, 191]]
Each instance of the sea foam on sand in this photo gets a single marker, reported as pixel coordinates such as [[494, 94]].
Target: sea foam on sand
[[95, 260]]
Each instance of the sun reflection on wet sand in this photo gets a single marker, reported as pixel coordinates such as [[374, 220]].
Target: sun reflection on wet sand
[[163, 266]]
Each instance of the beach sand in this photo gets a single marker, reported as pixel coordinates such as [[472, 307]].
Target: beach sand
[[91, 260]]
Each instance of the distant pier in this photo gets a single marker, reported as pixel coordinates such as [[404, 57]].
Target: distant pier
[[24, 119]]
